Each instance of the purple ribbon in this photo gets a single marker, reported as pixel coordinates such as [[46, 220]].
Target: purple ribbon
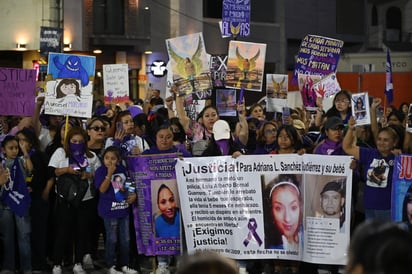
[[252, 225]]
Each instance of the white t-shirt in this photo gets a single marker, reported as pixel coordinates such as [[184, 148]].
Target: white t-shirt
[[59, 160]]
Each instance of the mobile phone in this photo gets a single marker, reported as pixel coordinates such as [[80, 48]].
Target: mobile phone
[[119, 126], [242, 91], [285, 115]]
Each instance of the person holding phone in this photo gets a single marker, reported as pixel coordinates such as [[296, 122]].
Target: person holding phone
[[125, 138]]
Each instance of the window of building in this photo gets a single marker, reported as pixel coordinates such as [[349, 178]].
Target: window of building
[[393, 24], [374, 16], [108, 17]]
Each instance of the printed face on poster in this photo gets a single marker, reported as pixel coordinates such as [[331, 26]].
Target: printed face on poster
[[165, 208], [360, 108]]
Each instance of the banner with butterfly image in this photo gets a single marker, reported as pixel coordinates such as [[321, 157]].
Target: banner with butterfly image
[[189, 64], [245, 65]]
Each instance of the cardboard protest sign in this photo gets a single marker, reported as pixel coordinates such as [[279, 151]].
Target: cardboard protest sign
[[70, 85], [235, 18], [317, 55], [17, 91], [116, 83]]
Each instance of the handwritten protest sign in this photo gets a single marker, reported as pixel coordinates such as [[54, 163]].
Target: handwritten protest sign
[[157, 229], [227, 206], [70, 88], [116, 83], [317, 55], [17, 91], [236, 18]]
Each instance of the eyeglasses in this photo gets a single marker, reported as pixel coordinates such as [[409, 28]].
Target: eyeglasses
[[98, 128], [342, 101], [270, 130]]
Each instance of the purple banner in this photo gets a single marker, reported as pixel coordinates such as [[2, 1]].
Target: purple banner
[[317, 56], [17, 91], [157, 214], [402, 190], [236, 18]]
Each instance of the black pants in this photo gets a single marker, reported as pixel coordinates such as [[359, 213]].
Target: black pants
[[73, 223]]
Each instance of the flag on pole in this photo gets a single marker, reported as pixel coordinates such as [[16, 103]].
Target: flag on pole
[[389, 84], [15, 194]]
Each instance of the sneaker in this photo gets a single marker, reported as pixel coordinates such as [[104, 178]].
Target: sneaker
[[162, 269], [78, 269], [88, 262], [128, 270], [57, 269], [113, 270]]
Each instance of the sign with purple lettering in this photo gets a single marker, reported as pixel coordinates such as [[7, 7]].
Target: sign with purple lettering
[[402, 190], [157, 214], [236, 18], [17, 91], [317, 55]]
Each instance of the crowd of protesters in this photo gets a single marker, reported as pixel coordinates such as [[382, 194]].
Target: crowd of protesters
[[53, 233]]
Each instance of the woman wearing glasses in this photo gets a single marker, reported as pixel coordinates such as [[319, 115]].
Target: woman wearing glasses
[[97, 132], [266, 138], [341, 108]]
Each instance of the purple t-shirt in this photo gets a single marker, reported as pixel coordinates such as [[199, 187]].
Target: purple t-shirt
[[174, 149], [108, 206], [377, 171]]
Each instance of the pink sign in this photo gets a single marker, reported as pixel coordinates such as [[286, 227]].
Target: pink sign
[[17, 91]]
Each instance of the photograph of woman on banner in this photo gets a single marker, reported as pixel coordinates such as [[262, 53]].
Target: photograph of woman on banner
[[407, 209], [283, 213], [167, 217], [359, 107]]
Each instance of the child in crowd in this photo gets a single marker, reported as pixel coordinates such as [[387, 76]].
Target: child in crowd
[[115, 213]]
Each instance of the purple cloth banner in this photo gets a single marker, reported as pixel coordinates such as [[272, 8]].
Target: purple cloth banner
[[317, 56], [15, 194], [156, 214], [17, 88]]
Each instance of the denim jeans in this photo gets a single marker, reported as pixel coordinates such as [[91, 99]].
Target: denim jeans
[[117, 232], [9, 224]]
